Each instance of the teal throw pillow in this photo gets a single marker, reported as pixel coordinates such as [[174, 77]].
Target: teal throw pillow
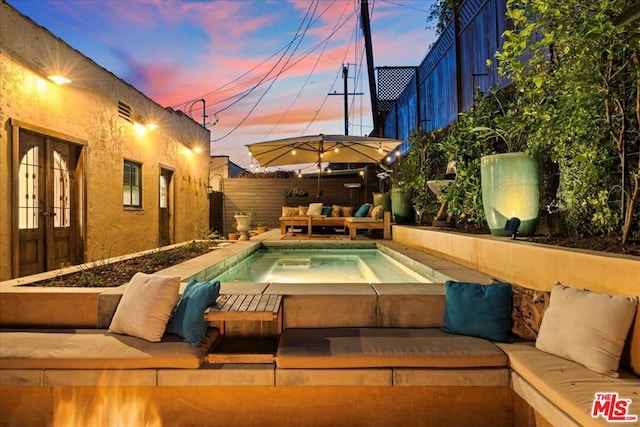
[[482, 311], [188, 317], [363, 211], [326, 210]]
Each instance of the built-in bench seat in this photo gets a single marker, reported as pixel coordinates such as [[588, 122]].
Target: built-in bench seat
[[389, 357], [384, 347], [97, 349], [563, 390], [340, 342]]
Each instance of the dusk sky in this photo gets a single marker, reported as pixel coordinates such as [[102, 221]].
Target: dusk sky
[[265, 68]]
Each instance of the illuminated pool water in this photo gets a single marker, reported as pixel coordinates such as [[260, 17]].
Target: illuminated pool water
[[320, 266]]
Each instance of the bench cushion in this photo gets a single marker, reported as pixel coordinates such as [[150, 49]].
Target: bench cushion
[[96, 349], [568, 385], [373, 348]]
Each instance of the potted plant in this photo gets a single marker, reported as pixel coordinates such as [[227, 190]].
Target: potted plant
[[401, 203], [243, 223], [383, 198], [510, 184], [262, 227]]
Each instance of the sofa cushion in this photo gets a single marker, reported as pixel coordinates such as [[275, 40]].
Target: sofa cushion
[[477, 310], [528, 309], [146, 306], [326, 211], [384, 347], [363, 210], [363, 220], [377, 212], [336, 210], [346, 211], [568, 385], [303, 210], [96, 349], [314, 209], [289, 211], [587, 327], [187, 319]]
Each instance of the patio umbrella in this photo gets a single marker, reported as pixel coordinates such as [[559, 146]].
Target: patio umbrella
[[322, 148]]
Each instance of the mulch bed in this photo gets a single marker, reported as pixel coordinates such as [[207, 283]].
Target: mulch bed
[[118, 273]]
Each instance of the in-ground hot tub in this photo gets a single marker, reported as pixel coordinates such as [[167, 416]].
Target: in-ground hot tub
[[329, 265]]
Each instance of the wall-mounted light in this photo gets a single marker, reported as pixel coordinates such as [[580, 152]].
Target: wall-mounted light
[[59, 80], [512, 226]]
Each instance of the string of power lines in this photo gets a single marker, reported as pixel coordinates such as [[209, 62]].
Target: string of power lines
[[246, 91]]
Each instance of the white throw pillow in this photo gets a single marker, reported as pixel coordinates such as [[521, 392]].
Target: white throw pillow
[[587, 327], [146, 306], [315, 209]]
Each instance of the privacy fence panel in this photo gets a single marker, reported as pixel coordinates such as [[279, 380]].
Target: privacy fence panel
[[445, 80]]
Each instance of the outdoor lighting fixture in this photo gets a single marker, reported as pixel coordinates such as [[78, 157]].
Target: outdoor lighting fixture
[[336, 149], [197, 149], [59, 80], [512, 226], [293, 152], [151, 126]]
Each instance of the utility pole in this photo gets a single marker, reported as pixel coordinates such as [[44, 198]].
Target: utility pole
[[345, 76], [366, 29]]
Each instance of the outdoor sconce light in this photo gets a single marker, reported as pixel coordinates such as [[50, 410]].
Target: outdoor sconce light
[[512, 226], [59, 80]]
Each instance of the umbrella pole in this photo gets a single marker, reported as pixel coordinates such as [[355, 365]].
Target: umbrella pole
[[319, 192]]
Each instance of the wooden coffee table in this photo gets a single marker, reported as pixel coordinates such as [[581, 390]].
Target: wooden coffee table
[[244, 308]]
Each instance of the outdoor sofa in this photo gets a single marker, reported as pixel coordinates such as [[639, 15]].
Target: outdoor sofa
[[350, 354], [335, 216]]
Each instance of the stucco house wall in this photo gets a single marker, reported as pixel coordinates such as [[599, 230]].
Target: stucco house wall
[[85, 112]]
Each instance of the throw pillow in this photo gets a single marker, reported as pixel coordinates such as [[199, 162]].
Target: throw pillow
[[363, 210], [288, 211], [315, 209], [326, 210], [377, 212], [586, 327], [529, 306], [303, 210], [146, 306], [188, 317], [347, 211], [477, 310], [336, 210]]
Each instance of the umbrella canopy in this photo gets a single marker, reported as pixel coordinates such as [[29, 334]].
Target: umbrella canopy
[[322, 148]]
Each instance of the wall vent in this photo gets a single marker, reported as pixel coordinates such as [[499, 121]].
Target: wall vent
[[124, 111]]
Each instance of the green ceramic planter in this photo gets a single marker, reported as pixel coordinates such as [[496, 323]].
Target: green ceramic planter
[[510, 188], [401, 206], [383, 199]]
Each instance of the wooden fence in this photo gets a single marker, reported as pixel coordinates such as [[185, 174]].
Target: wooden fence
[[443, 84], [266, 196]]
